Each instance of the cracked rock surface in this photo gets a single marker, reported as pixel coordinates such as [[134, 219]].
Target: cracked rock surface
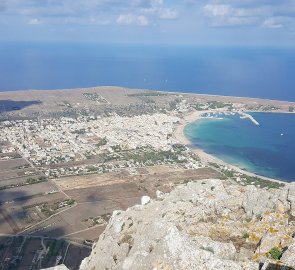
[[211, 224]]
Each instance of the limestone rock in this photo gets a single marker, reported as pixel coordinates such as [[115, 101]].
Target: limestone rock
[[245, 254], [160, 194], [158, 237], [289, 256], [268, 242], [256, 202], [212, 224], [145, 200], [291, 197], [58, 267]]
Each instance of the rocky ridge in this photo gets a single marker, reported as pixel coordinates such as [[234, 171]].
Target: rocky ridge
[[212, 224]]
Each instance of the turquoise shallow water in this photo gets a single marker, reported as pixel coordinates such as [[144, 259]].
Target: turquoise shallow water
[[268, 149]]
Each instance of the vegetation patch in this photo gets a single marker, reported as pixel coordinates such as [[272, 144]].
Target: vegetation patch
[[29, 181], [246, 235], [148, 94], [263, 183], [276, 253], [218, 105], [102, 142], [95, 97], [51, 209], [79, 131]]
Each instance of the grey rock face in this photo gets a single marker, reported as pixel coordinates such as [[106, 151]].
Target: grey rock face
[[291, 197], [210, 224], [257, 201], [289, 256]]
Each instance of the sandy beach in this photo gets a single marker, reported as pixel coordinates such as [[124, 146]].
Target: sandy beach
[[206, 158], [180, 136]]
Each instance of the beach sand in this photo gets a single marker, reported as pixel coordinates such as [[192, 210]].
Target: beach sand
[[204, 157]]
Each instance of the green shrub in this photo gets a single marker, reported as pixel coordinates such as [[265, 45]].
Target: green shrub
[[102, 142], [228, 174], [70, 201], [42, 178], [275, 253], [246, 235]]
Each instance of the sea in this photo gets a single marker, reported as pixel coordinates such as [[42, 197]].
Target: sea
[[261, 72], [235, 71], [267, 149]]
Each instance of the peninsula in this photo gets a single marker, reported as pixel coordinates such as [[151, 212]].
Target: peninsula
[[73, 160]]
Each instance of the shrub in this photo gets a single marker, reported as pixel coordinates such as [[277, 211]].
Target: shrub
[[42, 178], [102, 142], [275, 253], [246, 235]]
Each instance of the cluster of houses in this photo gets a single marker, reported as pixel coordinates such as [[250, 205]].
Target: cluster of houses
[[46, 142]]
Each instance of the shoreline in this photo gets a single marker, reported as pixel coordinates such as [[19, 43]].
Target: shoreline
[[205, 157], [226, 96]]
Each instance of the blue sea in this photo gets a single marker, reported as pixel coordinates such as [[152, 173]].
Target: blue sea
[[237, 71], [267, 149]]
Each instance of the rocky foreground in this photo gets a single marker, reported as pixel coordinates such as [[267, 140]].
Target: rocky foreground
[[210, 224]]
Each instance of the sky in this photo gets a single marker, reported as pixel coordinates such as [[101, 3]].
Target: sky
[[212, 22]]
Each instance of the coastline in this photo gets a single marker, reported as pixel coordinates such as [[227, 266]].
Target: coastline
[[205, 157]]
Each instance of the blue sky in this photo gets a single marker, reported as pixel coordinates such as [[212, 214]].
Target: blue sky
[[213, 22]]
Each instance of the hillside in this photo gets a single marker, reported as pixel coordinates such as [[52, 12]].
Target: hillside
[[211, 224]]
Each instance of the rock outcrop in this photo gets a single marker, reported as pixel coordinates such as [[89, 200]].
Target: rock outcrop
[[210, 224]]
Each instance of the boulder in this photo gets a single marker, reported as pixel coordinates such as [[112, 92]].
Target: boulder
[[268, 242], [145, 200], [289, 256], [58, 267]]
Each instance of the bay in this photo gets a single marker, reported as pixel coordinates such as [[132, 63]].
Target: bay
[[267, 149]]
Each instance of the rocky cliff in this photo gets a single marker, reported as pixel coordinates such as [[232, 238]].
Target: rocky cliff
[[210, 224]]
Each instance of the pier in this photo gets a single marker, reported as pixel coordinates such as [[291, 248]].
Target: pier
[[245, 115]]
